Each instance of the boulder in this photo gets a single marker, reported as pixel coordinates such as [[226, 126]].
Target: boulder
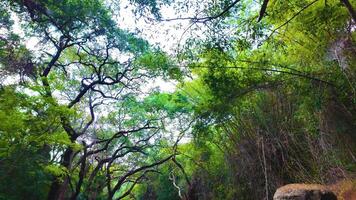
[[304, 192]]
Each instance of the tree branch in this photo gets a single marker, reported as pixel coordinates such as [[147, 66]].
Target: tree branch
[[294, 16], [263, 10], [205, 19], [132, 172], [350, 9]]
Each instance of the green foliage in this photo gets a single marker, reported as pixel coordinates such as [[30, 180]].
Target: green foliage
[[29, 129], [157, 63], [170, 103], [144, 7], [70, 16], [278, 87], [20, 156], [56, 170], [269, 102]]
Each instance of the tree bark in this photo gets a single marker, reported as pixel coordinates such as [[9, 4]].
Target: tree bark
[[349, 7], [58, 188]]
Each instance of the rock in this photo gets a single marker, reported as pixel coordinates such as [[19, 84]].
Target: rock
[[345, 189], [304, 192]]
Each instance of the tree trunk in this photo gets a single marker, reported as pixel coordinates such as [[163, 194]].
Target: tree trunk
[[58, 188], [349, 7]]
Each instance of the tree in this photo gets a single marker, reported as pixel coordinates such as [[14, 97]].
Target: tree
[[86, 90], [272, 96]]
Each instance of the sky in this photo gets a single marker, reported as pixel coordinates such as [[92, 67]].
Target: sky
[[167, 35]]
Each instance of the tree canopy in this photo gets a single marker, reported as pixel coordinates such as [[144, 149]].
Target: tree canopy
[[264, 95]]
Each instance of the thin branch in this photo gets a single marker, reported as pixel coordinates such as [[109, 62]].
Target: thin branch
[[132, 172], [294, 16], [274, 70], [205, 19]]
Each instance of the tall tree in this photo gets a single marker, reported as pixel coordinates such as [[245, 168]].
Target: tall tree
[[89, 75]]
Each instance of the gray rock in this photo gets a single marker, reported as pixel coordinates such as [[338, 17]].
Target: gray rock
[[304, 192]]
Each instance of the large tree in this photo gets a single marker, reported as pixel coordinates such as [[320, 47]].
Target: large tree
[[80, 105]]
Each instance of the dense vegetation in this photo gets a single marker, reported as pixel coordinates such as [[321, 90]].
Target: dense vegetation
[[265, 95]]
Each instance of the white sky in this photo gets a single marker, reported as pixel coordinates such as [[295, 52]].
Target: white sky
[[165, 34]]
